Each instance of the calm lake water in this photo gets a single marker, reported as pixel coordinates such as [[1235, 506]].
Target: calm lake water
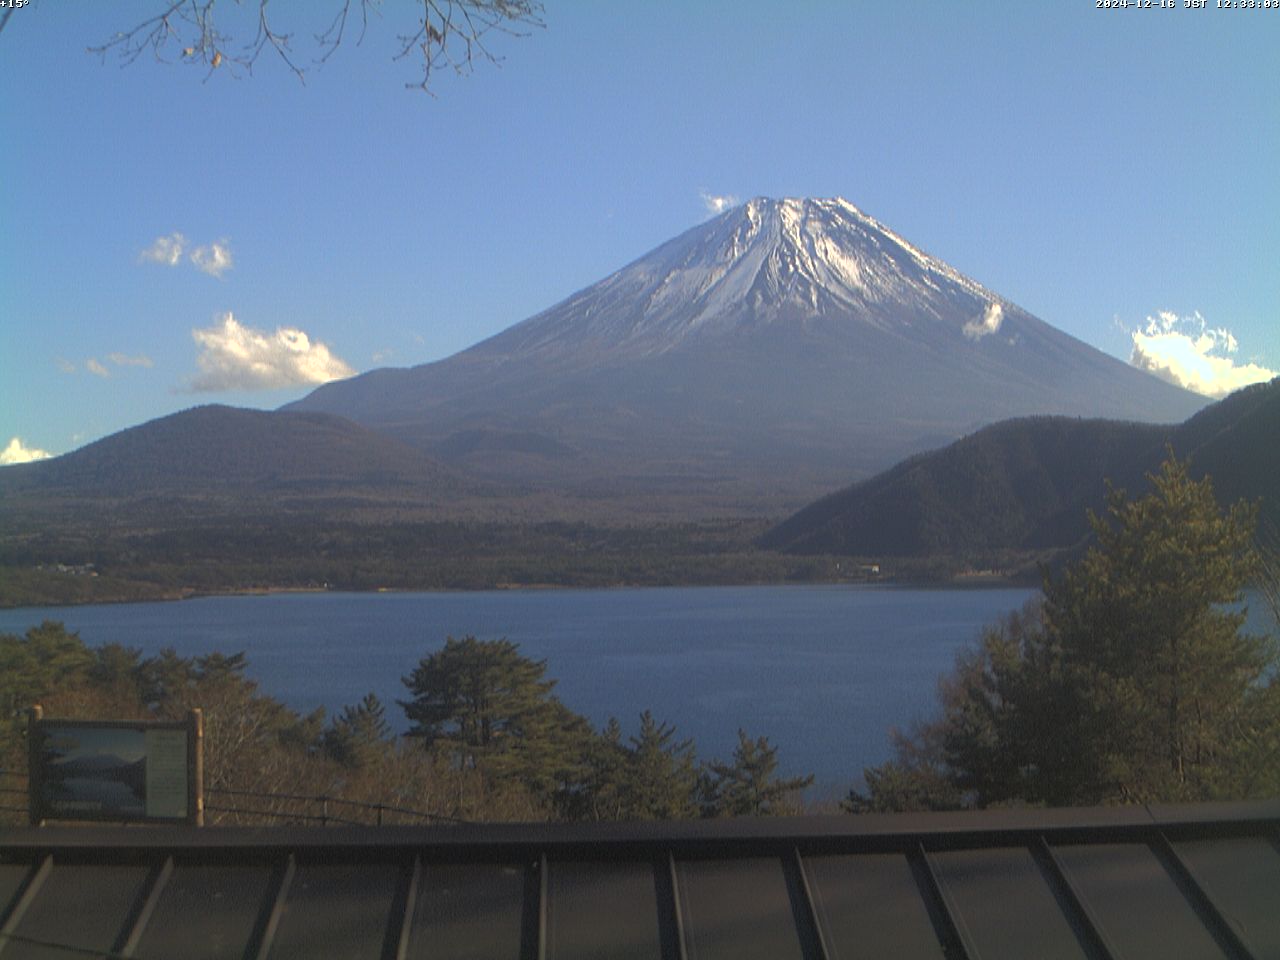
[[823, 671]]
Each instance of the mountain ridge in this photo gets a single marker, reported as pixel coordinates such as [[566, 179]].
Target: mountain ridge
[[769, 355], [1029, 484], [217, 447]]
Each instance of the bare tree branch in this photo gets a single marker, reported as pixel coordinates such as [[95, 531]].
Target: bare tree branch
[[331, 39], [449, 33], [442, 41], [279, 41], [1267, 541]]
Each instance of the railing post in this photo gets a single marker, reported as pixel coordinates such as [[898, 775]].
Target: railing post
[[195, 767], [34, 765]]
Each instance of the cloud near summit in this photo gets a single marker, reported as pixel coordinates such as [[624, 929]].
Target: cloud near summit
[[1187, 352], [718, 203], [235, 357]]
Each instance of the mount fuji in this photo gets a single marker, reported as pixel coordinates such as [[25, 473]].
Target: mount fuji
[[778, 351]]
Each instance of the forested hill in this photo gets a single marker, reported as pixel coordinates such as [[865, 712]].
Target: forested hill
[[213, 448], [1028, 483]]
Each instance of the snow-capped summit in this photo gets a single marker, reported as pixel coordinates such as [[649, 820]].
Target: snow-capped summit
[[767, 261], [779, 350]]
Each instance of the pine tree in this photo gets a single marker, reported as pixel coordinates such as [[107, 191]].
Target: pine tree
[[1164, 690], [661, 776], [488, 708], [360, 735], [747, 786], [1133, 682]]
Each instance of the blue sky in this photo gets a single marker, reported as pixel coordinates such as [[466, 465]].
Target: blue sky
[[1115, 172]]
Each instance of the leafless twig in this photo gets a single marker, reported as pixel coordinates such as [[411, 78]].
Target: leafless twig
[[443, 40], [331, 39], [278, 41], [449, 33]]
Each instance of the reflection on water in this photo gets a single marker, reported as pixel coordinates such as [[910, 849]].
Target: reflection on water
[[90, 795]]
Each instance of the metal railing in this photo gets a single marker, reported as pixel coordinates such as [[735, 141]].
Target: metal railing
[[324, 809], [280, 808], [9, 802]]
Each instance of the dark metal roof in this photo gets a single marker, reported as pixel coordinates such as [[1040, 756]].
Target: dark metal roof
[[1128, 882]]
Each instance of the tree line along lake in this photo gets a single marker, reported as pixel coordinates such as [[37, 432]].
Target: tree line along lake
[[824, 671]]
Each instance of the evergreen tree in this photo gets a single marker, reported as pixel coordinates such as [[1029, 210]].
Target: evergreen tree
[[1134, 682], [651, 776], [1165, 691], [360, 735], [603, 794], [487, 707], [747, 786], [38, 663], [917, 779], [661, 777]]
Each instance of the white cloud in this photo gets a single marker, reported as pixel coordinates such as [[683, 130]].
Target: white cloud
[[990, 322], [165, 250], [19, 452], [123, 360], [718, 203], [1187, 352], [236, 357], [100, 369], [214, 259]]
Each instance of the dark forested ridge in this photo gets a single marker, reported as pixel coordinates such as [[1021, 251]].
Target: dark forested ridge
[[1028, 484], [220, 500], [996, 488], [91, 563], [215, 449]]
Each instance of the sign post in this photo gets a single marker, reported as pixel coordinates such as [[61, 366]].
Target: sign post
[[124, 771]]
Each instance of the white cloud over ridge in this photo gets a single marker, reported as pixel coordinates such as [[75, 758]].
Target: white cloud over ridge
[[236, 357], [19, 452], [718, 203], [1187, 352], [989, 323]]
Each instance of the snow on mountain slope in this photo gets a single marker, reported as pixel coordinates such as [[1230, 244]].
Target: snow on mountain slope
[[753, 266], [779, 350]]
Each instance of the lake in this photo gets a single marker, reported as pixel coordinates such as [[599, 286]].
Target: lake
[[823, 671]]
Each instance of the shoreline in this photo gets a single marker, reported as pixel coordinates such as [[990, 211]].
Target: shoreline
[[960, 582]]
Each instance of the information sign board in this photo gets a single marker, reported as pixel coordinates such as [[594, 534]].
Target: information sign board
[[117, 770]]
